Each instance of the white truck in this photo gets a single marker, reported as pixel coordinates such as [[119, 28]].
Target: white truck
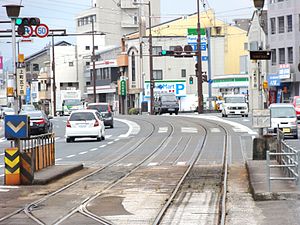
[[235, 105], [68, 101]]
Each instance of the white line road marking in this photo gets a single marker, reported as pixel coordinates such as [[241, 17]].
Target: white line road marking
[[181, 164], [117, 139], [109, 143], [246, 120], [153, 164], [70, 156], [82, 153], [215, 130], [58, 159], [57, 138], [129, 164], [9, 187], [163, 130], [4, 190], [134, 128], [93, 149], [2, 154], [1, 166], [1, 175], [189, 130], [102, 146], [108, 136], [238, 130], [2, 140]]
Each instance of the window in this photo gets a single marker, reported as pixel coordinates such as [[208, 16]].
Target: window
[[281, 56], [71, 64], [133, 66], [156, 50], [87, 47], [245, 46], [157, 74], [281, 24], [135, 20], [183, 73], [290, 23], [290, 55], [87, 63], [280, 0], [273, 56], [35, 67], [273, 26], [96, 47]]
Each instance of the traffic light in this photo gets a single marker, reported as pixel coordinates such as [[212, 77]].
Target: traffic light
[[186, 51], [191, 80], [26, 21], [166, 53]]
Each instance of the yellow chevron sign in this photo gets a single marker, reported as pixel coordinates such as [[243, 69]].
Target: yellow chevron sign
[[12, 166], [15, 128]]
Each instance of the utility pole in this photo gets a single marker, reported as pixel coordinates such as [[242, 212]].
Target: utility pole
[[199, 63], [152, 83], [94, 62], [53, 76]]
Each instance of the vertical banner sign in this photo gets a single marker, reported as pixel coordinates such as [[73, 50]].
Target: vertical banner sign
[[1, 62], [21, 81], [27, 99], [123, 87]]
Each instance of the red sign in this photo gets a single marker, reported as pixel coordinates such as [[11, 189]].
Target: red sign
[[1, 62], [42, 30], [28, 32]]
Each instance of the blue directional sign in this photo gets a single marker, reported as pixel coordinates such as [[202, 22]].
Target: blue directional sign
[[16, 126]]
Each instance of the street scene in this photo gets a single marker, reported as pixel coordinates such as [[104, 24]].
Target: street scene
[[150, 112]]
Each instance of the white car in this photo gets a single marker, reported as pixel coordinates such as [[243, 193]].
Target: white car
[[234, 105], [85, 123]]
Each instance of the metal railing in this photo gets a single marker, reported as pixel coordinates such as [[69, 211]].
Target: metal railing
[[288, 160], [41, 150]]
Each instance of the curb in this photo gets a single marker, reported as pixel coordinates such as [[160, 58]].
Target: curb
[[65, 172]]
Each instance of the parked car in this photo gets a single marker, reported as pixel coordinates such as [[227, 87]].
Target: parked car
[[166, 103], [235, 105], [105, 110], [296, 104], [39, 122], [85, 123], [7, 111], [28, 108], [283, 117]]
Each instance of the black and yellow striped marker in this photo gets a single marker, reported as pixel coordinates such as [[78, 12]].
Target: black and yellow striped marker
[[27, 168], [12, 166]]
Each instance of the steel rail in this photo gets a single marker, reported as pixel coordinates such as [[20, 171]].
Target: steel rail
[[26, 208], [83, 206], [164, 209]]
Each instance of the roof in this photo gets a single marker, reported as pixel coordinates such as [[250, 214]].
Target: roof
[[44, 50], [275, 105]]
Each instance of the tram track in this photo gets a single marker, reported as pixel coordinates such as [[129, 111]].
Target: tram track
[[30, 207]]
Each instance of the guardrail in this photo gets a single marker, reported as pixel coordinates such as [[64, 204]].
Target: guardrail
[[288, 160], [37, 152]]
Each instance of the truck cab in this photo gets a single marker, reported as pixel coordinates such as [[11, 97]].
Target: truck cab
[[235, 105]]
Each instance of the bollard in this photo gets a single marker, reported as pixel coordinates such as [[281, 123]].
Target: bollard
[[12, 166]]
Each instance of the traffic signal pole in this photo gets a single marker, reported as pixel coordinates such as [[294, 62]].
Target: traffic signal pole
[[152, 84], [199, 63]]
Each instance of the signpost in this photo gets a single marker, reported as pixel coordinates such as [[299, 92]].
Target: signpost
[[21, 81], [260, 55], [16, 126]]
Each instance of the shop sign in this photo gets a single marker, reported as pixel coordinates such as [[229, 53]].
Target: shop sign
[[274, 80], [284, 71]]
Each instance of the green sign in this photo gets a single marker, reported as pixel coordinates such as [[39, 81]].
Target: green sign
[[123, 87], [193, 31]]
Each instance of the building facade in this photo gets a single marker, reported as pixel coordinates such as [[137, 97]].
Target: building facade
[[223, 53], [284, 42]]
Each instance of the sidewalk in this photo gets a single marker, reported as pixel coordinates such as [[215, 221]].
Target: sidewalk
[[258, 182]]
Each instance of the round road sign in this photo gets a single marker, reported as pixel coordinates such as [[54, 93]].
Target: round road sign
[[28, 32], [42, 30]]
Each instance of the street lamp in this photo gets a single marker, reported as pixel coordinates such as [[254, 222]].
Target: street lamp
[[13, 12], [259, 4], [152, 82]]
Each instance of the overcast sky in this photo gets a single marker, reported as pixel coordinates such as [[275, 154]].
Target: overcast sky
[[60, 14]]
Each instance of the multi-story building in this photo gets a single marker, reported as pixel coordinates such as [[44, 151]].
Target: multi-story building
[[284, 42], [226, 56], [110, 20]]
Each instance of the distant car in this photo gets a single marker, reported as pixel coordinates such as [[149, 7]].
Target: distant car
[[28, 108], [166, 103], [296, 104], [85, 123], [7, 111], [105, 110], [235, 105], [283, 117], [39, 122]]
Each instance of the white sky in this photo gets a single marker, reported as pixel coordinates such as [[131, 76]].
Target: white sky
[[60, 14]]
